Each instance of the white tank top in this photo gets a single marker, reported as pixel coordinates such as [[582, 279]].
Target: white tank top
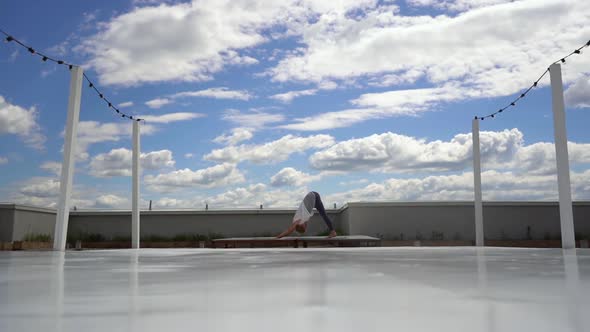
[[305, 210]]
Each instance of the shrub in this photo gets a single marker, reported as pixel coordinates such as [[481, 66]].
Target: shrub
[[189, 237], [34, 237], [155, 238], [214, 236]]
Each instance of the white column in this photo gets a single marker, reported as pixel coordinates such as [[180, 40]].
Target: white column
[[479, 239], [67, 166], [563, 167], [135, 189]]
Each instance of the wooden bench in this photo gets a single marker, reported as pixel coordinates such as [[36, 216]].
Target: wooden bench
[[297, 242]]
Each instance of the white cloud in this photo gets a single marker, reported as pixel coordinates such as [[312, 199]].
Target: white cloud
[[118, 162], [271, 152], [52, 167], [217, 93], [188, 41], [19, 121], [191, 41], [254, 119], [497, 60], [289, 176], [41, 187], [380, 105], [188, 155], [215, 176], [126, 104], [287, 97], [495, 186], [44, 192], [237, 135], [578, 94], [354, 182], [92, 132], [111, 201], [395, 153], [171, 117], [408, 77], [3, 160], [455, 5], [158, 102], [254, 195]]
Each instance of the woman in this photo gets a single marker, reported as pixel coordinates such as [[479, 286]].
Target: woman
[[305, 212]]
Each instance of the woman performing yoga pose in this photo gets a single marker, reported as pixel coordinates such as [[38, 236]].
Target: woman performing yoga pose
[[305, 212]]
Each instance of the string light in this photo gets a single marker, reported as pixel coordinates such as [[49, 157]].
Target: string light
[[535, 83], [45, 58]]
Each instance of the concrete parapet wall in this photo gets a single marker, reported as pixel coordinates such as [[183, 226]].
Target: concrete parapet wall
[[398, 221]]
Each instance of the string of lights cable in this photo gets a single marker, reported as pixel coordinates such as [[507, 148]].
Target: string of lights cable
[[9, 38], [534, 85]]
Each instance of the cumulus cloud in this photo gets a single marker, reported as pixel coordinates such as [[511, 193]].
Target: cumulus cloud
[[250, 196], [118, 162], [188, 41], [217, 93], [395, 153], [171, 117], [16, 120], [215, 176], [254, 119], [289, 176], [41, 187], [254, 195], [498, 60], [271, 152], [111, 201], [578, 94], [52, 167], [380, 105], [237, 135], [93, 132], [496, 186], [126, 104], [158, 102], [455, 5], [287, 97], [44, 192], [191, 41]]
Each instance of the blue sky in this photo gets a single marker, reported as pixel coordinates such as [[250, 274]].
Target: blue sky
[[257, 102]]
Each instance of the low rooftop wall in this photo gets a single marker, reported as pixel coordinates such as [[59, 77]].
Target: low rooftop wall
[[387, 220]]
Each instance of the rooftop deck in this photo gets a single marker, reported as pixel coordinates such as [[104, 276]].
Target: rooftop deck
[[314, 289]]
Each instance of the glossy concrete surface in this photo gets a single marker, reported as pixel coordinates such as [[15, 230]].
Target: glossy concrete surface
[[352, 289]]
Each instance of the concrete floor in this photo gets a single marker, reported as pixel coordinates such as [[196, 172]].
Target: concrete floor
[[368, 289]]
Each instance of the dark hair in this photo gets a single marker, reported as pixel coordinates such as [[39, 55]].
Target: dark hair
[[300, 228]]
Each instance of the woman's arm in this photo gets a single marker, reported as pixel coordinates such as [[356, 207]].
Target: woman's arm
[[289, 230]]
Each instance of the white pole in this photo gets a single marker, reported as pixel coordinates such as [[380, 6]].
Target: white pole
[[67, 166], [566, 214], [135, 189], [479, 239]]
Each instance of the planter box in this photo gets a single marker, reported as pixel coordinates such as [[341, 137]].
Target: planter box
[[26, 245], [5, 246], [143, 244]]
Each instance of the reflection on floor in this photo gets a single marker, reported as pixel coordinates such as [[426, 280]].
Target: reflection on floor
[[353, 289]]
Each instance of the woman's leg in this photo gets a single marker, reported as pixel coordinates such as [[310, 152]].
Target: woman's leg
[[320, 207]]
